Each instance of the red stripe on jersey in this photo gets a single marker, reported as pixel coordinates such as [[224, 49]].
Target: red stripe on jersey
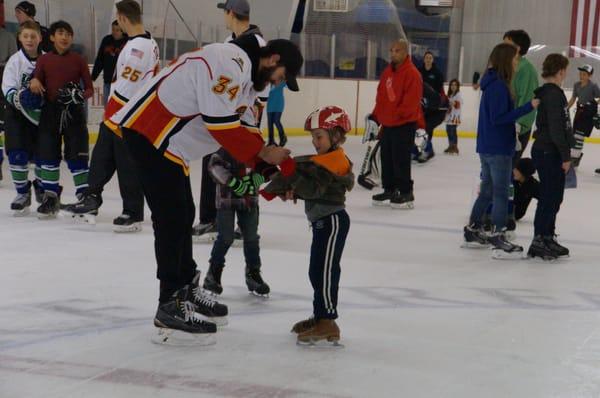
[[111, 108], [155, 118], [243, 145]]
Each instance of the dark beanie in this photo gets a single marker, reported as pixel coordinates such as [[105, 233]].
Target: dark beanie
[[27, 8], [526, 167]]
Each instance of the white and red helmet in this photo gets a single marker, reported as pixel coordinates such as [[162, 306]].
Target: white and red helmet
[[327, 118]]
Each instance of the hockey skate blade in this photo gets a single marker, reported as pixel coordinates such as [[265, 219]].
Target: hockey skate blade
[[403, 206], [177, 338], [21, 213], [377, 203], [474, 245], [261, 296], [540, 259], [206, 238], [124, 229], [498, 254], [79, 218], [320, 344], [43, 216]]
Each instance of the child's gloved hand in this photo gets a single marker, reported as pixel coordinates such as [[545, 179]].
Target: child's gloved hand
[[257, 180], [241, 186]]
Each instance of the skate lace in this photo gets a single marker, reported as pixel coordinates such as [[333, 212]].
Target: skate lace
[[188, 311], [202, 298]]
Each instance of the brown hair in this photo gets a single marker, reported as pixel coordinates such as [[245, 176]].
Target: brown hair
[[31, 25], [131, 10], [501, 60], [337, 136], [450, 87], [553, 64]]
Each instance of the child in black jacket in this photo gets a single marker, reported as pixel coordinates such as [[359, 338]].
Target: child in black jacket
[[551, 154]]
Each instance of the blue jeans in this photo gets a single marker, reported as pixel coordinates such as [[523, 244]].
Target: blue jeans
[[106, 93], [274, 119], [496, 173], [452, 135], [248, 223]]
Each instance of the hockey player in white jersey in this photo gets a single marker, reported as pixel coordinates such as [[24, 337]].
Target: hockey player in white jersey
[[22, 116], [138, 62], [188, 110]]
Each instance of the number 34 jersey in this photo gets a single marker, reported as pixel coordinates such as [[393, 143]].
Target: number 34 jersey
[[195, 105], [138, 62]]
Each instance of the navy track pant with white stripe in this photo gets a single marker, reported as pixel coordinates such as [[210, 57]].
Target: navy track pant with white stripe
[[329, 238]]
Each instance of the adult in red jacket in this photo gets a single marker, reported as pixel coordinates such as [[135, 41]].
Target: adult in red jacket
[[398, 111]]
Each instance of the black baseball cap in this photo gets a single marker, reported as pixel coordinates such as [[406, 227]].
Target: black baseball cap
[[240, 7], [290, 57], [27, 7], [587, 68]]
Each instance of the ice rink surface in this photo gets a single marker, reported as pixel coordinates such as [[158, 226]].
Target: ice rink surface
[[420, 317]]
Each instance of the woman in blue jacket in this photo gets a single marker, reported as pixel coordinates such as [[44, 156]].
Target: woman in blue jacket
[[275, 107], [496, 141]]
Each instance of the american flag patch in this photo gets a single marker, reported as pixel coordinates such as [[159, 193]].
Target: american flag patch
[[137, 53]]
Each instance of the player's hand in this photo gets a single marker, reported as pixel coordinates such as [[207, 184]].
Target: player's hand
[[535, 103], [274, 154], [36, 87], [566, 166]]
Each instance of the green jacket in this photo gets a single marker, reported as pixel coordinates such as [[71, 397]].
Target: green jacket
[[320, 180], [524, 84]]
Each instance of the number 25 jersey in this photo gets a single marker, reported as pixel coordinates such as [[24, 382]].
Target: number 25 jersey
[[138, 62]]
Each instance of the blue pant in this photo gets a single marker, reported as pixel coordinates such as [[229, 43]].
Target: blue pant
[[248, 222], [552, 188], [106, 93], [329, 238], [452, 135], [274, 118], [496, 173]]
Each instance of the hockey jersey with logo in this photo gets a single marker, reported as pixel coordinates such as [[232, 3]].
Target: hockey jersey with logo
[[138, 62], [195, 105], [17, 73]]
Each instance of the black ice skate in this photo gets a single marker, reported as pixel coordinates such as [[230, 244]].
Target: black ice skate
[[539, 248], [38, 189], [86, 209], [503, 248], [20, 205], [402, 200], [475, 237], [425, 157], [558, 249], [206, 305], [126, 223], [179, 324], [212, 280], [49, 207], [204, 233], [382, 199], [255, 283]]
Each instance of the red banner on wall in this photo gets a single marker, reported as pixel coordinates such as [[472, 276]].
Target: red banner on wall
[[1, 12]]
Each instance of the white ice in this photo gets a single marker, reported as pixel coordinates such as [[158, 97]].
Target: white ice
[[420, 317]]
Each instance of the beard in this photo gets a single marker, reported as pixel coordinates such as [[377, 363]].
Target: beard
[[262, 78]]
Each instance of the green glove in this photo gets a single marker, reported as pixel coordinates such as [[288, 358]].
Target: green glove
[[257, 180], [240, 186]]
